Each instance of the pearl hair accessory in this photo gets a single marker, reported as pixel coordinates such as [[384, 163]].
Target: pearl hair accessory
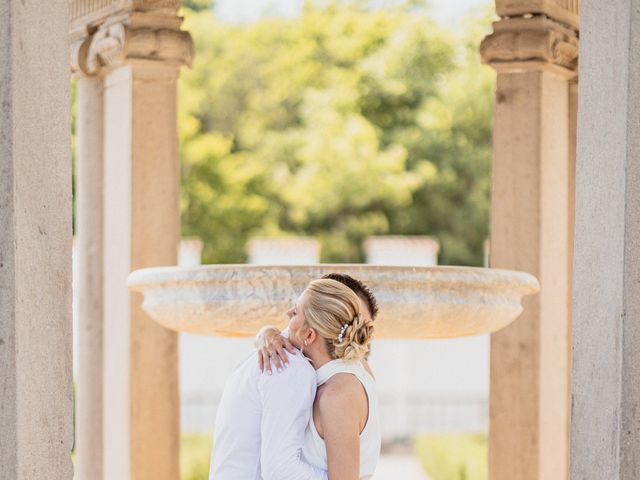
[[342, 330]]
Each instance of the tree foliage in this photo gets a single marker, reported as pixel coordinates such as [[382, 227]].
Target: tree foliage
[[341, 123], [197, 5]]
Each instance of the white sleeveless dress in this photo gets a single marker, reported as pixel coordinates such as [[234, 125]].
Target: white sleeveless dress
[[314, 450]]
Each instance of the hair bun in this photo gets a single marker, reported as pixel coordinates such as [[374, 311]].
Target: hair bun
[[333, 310], [353, 342]]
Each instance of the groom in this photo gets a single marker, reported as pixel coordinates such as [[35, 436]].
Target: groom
[[261, 418]]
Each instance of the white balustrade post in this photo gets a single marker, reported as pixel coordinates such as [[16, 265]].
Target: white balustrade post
[[416, 251], [283, 251]]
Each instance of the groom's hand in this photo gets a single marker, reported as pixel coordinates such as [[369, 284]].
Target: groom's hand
[[271, 346]]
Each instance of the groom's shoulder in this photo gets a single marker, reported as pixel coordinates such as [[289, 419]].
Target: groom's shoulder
[[297, 360], [299, 367]]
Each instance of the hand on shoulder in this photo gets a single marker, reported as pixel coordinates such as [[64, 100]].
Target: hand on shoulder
[[272, 350]]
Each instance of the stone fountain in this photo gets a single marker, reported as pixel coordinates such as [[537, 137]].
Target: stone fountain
[[415, 302]]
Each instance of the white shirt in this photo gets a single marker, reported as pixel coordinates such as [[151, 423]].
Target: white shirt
[[261, 421]]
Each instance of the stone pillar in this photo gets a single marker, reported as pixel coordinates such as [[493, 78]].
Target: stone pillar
[[535, 54], [605, 420], [137, 49], [89, 181], [142, 227], [36, 413]]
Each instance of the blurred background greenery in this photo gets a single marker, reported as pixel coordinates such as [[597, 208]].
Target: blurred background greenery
[[340, 123]]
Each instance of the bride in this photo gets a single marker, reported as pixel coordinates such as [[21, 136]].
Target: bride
[[335, 435]]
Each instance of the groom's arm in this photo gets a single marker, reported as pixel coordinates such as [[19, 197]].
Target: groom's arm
[[287, 402]]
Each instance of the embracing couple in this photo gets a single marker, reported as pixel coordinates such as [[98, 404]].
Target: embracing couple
[[304, 406]]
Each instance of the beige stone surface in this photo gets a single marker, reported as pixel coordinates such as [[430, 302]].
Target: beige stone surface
[[534, 49], [141, 229], [36, 432], [90, 13], [531, 231], [565, 11], [104, 35], [89, 219], [136, 47], [415, 302], [523, 44], [605, 421]]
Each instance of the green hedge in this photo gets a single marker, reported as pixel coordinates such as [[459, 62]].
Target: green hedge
[[195, 453], [443, 456], [453, 456]]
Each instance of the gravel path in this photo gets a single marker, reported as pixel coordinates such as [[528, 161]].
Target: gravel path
[[399, 466]]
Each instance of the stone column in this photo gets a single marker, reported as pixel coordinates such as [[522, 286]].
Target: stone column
[[142, 229], [89, 192], [605, 420], [535, 54], [142, 225], [36, 413], [138, 51]]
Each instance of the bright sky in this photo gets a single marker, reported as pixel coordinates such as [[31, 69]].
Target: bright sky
[[241, 11]]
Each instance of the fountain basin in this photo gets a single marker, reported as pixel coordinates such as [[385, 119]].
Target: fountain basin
[[415, 302]]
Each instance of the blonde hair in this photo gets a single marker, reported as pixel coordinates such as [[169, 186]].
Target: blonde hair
[[333, 311]]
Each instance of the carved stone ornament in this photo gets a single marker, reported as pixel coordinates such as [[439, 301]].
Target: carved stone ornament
[[563, 11], [522, 43], [119, 42]]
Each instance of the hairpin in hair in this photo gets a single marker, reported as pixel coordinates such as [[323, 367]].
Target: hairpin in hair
[[343, 329]]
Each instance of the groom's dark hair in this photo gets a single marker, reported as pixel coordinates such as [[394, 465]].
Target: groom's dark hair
[[359, 288]]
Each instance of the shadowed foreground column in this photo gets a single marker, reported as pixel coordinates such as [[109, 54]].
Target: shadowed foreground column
[[534, 49], [605, 420], [36, 413]]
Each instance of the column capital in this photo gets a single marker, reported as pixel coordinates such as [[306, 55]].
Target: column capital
[[531, 43], [135, 36], [563, 11]]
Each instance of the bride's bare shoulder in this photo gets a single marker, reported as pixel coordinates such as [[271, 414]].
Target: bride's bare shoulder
[[341, 390]]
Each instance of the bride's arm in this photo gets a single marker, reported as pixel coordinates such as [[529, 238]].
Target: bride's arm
[[271, 344], [340, 421]]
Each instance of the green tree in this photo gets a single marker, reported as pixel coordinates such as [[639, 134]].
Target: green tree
[[197, 5], [341, 123]]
